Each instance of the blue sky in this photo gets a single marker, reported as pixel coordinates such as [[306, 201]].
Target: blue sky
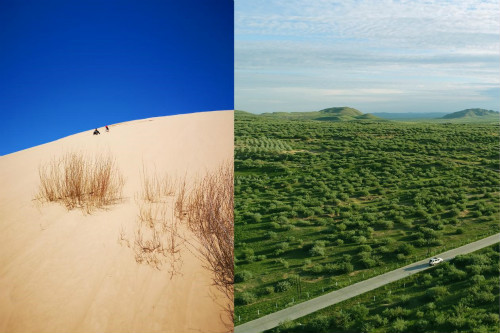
[[377, 56], [70, 66]]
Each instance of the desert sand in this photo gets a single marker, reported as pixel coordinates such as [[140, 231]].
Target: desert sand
[[67, 271]]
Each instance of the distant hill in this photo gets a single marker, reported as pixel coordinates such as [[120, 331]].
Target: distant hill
[[409, 115], [334, 114], [470, 113], [342, 111], [244, 113]]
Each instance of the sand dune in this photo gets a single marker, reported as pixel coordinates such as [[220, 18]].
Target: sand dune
[[67, 271]]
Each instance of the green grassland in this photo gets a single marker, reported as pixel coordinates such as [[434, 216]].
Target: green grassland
[[321, 205], [457, 296]]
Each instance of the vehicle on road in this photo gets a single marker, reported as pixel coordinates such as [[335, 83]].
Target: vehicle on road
[[435, 261]]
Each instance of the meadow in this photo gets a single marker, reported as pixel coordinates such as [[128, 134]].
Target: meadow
[[320, 205]]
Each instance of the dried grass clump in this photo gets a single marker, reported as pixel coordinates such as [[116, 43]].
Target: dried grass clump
[[155, 187], [157, 240], [80, 181], [151, 250], [210, 216]]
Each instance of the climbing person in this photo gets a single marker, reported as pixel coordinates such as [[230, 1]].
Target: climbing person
[[96, 132]]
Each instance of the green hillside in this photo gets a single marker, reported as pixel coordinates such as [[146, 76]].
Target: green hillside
[[343, 111], [472, 113], [333, 114]]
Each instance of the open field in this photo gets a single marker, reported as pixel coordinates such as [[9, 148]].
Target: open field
[[321, 205]]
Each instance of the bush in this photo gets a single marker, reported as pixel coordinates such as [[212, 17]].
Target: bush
[[379, 321], [360, 239], [244, 298], [386, 225], [421, 325], [253, 217], [248, 254], [400, 256], [330, 268], [420, 242], [284, 327], [319, 324], [282, 286], [268, 290], [80, 181], [406, 249], [359, 312], [275, 225], [455, 274], [365, 248], [282, 262], [383, 250], [271, 235], [242, 276], [398, 326], [397, 312], [283, 246], [317, 269], [317, 250], [436, 293], [368, 262], [346, 267], [477, 279]]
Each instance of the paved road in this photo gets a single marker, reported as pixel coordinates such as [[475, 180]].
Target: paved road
[[318, 303]]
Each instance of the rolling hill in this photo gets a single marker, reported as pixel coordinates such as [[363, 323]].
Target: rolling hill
[[334, 114], [472, 113]]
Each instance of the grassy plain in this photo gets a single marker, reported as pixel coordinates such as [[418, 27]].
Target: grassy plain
[[320, 205]]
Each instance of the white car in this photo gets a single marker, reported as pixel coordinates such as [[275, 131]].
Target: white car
[[435, 261]]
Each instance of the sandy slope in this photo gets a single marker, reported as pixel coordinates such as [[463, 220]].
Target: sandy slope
[[65, 271]]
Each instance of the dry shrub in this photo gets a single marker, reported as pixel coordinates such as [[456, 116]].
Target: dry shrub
[[207, 208], [80, 181], [157, 241], [151, 250], [210, 215], [154, 187], [180, 212]]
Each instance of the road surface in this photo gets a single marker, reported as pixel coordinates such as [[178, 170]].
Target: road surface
[[318, 303]]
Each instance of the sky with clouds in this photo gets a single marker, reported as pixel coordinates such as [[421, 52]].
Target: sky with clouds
[[377, 56]]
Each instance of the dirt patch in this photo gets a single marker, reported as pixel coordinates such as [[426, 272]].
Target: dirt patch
[[464, 213]]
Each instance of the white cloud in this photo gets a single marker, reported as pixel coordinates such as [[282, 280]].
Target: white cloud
[[365, 48]]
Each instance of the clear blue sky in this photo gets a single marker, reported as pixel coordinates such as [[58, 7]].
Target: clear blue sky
[[376, 56], [70, 66]]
